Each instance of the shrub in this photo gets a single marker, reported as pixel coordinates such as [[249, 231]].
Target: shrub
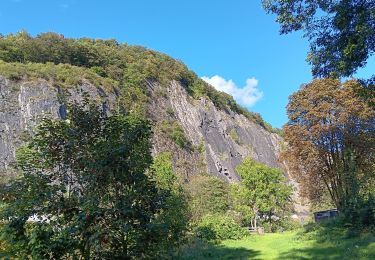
[[175, 132], [207, 195], [178, 136], [170, 111], [219, 227], [64, 75], [234, 135]]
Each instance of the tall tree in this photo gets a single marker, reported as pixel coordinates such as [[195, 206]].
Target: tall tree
[[341, 32], [173, 219], [262, 193], [82, 189], [331, 137]]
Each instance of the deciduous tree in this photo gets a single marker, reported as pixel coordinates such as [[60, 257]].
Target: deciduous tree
[[341, 32], [262, 193], [82, 191], [331, 135]]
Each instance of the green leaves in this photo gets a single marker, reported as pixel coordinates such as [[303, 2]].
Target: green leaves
[[262, 191], [341, 33], [85, 179]]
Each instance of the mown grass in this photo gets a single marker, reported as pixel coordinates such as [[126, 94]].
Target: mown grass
[[317, 244]]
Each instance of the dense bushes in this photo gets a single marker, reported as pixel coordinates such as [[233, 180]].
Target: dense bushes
[[208, 195], [209, 202], [172, 221], [85, 190], [64, 75], [219, 227], [174, 131], [220, 210]]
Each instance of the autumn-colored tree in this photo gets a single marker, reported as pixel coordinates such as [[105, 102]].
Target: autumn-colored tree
[[331, 135]]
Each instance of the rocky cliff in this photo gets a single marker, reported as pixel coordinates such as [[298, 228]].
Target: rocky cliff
[[217, 140], [205, 130]]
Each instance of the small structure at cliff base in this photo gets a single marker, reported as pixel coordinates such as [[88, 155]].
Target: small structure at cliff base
[[325, 215]]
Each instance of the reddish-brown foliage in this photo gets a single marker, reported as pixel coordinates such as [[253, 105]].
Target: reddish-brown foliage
[[330, 135]]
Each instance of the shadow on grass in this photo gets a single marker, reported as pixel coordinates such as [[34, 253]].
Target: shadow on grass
[[216, 251], [334, 242]]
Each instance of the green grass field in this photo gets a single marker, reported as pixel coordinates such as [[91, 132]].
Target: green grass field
[[287, 245]]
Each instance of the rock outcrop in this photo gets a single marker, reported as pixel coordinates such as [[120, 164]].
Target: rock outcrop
[[226, 137], [24, 103], [218, 140]]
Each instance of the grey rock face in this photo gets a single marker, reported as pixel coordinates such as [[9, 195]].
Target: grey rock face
[[227, 137], [219, 140], [23, 104]]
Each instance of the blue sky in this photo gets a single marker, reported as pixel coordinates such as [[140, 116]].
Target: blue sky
[[220, 40]]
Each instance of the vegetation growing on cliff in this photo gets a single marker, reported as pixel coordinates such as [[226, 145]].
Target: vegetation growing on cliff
[[106, 62], [63, 75]]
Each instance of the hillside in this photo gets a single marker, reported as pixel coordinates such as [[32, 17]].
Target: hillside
[[206, 130]]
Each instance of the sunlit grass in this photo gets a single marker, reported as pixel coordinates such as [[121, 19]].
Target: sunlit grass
[[287, 245]]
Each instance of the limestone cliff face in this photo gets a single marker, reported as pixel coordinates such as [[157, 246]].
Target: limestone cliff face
[[219, 140], [226, 137], [24, 103]]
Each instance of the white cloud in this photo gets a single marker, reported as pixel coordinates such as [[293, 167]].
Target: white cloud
[[246, 96], [64, 6]]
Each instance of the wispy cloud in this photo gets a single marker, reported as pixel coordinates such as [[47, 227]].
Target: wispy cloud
[[64, 6], [246, 96]]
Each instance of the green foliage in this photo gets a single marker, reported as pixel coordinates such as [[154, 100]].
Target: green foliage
[[360, 213], [219, 227], [208, 195], [83, 182], [282, 224], [173, 220], [131, 66], [62, 74], [175, 132], [234, 135], [170, 111], [262, 193], [339, 43]]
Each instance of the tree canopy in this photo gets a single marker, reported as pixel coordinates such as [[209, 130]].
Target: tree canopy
[[262, 193], [341, 32], [331, 137], [83, 190]]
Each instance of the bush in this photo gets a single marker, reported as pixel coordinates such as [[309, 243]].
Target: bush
[[219, 227], [176, 133], [282, 224], [207, 195]]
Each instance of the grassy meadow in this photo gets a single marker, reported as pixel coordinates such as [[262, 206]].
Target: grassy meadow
[[288, 245]]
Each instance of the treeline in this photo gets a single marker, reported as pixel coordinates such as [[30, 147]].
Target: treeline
[[129, 66]]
